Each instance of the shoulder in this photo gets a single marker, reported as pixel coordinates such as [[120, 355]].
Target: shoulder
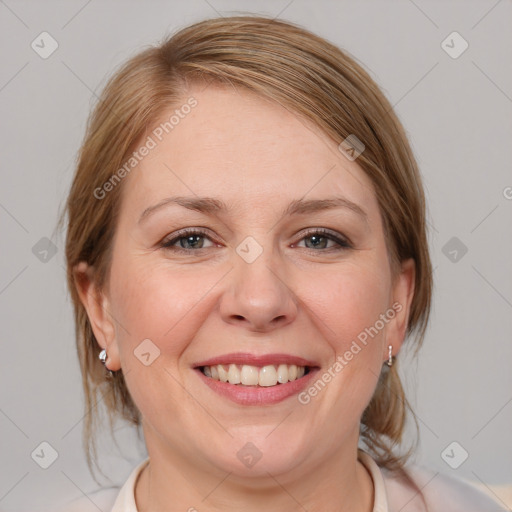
[[441, 492], [102, 499], [112, 499]]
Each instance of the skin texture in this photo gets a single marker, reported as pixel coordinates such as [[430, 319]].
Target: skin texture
[[297, 298]]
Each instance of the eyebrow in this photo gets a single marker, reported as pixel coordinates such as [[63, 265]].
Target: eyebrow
[[212, 206]]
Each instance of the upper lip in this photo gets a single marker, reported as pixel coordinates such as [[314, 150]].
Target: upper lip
[[256, 360]]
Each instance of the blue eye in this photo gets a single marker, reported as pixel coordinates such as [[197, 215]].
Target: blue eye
[[187, 240], [320, 237]]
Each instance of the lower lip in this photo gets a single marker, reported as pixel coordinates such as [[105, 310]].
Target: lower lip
[[257, 395]]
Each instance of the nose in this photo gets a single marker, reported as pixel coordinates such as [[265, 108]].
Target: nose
[[258, 297]]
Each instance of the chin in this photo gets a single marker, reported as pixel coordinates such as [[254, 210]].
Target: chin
[[255, 452]]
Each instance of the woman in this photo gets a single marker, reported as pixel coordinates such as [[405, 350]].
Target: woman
[[247, 254]]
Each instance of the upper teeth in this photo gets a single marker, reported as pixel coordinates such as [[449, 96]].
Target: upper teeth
[[254, 375]]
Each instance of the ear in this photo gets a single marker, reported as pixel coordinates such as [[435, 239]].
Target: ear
[[402, 295], [97, 306]]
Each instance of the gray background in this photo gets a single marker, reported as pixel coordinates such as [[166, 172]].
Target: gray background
[[457, 114]]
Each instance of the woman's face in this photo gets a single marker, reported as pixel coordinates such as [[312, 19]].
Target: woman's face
[[258, 285]]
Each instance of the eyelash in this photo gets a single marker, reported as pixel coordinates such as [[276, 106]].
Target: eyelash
[[343, 244]]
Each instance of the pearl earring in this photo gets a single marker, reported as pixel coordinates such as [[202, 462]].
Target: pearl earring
[[103, 358]]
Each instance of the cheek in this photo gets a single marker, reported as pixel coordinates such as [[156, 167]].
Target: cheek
[[152, 301], [349, 315], [348, 302], [155, 302]]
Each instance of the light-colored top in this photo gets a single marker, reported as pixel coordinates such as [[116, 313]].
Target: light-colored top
[[442, 493]]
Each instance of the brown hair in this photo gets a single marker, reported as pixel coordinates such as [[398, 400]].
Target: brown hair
[[311, 78]]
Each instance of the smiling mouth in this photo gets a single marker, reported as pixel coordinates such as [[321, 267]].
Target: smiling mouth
[[255, 376]]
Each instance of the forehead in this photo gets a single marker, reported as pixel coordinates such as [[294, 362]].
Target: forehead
[[248, 150]]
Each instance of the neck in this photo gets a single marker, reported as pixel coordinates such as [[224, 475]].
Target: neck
[[339, 484]]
